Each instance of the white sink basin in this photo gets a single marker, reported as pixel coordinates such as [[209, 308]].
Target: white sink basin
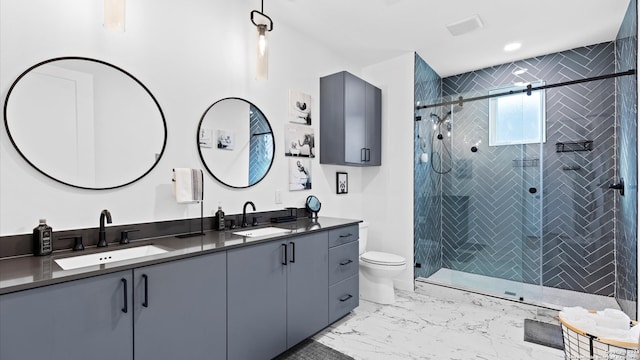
[[262, 232], [106, 257]]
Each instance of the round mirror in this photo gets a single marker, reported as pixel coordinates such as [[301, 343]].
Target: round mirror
[[85, 123], [235, 142]]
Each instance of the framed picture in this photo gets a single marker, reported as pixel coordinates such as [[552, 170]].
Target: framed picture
[[206, 138], [299, 108], [342, 183], [299, 141], [299, 174], [226, 140]]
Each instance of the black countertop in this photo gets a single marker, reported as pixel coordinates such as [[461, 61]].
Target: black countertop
[[26, 272]]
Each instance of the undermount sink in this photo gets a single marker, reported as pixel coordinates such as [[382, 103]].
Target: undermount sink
[[262, 232], [106, 257]]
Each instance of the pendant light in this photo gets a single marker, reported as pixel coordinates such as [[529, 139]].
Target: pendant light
[[264, 26], [114, 15]]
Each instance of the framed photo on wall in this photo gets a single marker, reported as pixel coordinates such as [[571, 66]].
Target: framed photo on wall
[[342, 183]]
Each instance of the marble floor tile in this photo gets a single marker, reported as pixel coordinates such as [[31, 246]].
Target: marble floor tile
[[441, 326]]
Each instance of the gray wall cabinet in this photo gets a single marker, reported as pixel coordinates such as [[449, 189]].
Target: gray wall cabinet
[[80, 319], [277, 295], [180, 309], [350, 121]]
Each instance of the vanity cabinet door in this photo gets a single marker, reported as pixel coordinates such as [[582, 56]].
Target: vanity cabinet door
[[77, 320], [307, 286], [180, 309], [257, 301]]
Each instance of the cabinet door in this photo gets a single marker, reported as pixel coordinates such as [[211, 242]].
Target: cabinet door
[[307, 286], [354, 119], [373, 100], [76, 320], [257, 301], [180, 309]]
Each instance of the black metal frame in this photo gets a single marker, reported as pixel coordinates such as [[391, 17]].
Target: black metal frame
[[346, 188], [261, 13], [460, 101]]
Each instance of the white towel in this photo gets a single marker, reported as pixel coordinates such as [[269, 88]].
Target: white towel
[[188, 185]]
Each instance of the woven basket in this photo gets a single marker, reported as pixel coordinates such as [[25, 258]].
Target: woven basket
[[578, 345]]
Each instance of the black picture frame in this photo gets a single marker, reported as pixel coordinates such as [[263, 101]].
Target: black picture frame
[[342, 183]]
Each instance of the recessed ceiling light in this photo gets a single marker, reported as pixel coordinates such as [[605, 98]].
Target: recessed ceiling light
[[512, 47], [519, 71]]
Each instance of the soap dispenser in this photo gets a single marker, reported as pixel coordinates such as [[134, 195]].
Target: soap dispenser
[[219, 220], [42, 239]]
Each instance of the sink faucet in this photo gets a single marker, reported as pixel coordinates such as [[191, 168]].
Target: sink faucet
[[244, 213], [102, 242]]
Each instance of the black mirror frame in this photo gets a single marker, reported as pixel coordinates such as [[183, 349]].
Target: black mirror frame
[[6, 124], [202, 157]]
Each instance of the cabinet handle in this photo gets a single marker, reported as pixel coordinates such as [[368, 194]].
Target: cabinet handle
[[363, 154], [146, 290], [345, 262], [293, 251], [345, 298], [284, 246], [346, 236], [125, 309], [367, 154]]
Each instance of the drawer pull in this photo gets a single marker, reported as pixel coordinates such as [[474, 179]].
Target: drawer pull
[[125, 309], [145, 303], [346, 236], [284, 248], [345, 262], [346, 297]]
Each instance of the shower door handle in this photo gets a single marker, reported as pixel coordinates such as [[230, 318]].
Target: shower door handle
[[367, 154], [363, 154]]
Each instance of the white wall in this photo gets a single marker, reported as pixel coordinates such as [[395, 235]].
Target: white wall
[[388, 200], [190, 54]]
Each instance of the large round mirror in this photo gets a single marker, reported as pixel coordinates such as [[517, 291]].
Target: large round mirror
[[235, 142], [85, 123]]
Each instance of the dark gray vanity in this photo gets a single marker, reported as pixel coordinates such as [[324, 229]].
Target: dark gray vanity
[[217, 296]]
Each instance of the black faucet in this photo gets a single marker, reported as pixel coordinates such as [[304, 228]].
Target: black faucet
[[244, 213], [102, 242]]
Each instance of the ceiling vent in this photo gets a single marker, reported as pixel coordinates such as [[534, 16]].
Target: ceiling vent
[[465, 26]]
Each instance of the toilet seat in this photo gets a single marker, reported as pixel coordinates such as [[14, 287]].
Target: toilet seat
[[381, 258]]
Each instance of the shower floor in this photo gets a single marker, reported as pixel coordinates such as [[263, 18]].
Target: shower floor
[[532, 294]]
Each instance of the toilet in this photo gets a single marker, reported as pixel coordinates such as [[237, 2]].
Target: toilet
[[377, 270]]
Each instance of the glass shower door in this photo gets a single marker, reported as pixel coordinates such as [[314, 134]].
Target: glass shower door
[[491, 209]]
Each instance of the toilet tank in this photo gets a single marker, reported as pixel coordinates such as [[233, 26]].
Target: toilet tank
[[363, 229]]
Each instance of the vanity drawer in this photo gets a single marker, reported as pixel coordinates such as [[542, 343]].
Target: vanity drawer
[[343, 235], [343, 262], [343, 297]]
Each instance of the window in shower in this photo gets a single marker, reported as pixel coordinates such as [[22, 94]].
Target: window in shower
[[518, 118]]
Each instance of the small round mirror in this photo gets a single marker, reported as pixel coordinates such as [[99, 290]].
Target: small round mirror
[[313, 206], [235, 142]]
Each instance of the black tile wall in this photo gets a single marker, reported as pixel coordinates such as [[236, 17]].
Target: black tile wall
[[260, 146], [501, 232]]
